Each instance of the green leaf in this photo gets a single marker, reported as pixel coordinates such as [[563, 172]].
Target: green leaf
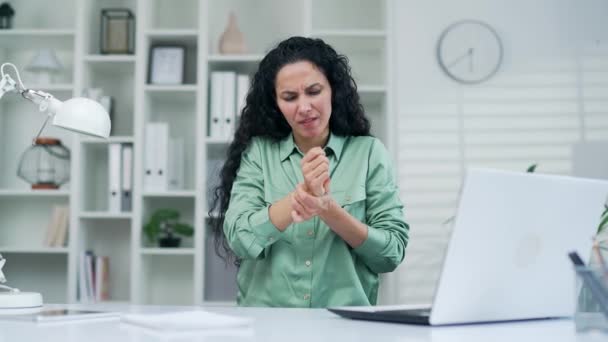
[[532, 168], [604, 221], [183, 229], [153, 228]]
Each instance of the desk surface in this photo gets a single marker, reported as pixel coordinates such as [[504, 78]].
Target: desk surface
[[281, 325]]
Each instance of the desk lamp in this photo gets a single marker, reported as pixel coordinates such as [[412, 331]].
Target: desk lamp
[[80, 115]]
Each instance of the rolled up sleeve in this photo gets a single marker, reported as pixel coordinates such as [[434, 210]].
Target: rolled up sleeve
[[247, 226], [387, 238]]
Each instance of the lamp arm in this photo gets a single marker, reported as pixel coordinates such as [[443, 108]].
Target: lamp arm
[[45, 101]]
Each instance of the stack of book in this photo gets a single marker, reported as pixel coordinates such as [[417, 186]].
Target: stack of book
[[94, 278], [57, 229]]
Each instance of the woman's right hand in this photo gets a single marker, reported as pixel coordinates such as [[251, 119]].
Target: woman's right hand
[[315, 169]]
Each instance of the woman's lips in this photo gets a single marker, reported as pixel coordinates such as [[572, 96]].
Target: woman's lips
[[310, 122]]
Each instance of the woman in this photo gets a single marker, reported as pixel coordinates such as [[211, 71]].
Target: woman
[[311, 210]]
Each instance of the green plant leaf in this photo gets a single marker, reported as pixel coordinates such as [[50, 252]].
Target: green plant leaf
[[604, 221], [183, 229], [154, 227], [531, 168]]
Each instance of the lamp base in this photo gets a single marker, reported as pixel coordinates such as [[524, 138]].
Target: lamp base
[[20, 300]]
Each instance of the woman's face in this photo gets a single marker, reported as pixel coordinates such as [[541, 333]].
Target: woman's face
[[304, 98]]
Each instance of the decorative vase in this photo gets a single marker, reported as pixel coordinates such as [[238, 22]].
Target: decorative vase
[[232, 40]]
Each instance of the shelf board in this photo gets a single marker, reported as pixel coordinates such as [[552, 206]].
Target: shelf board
[[350, 33], [234, 58], [371, 89], [171, 88], [170, 193], [169, 33], [217, 141], [110, 140], [19, 39], [34, 250], [33, 193], [104, 215], [167, 251], [110, 58], [37, 32]]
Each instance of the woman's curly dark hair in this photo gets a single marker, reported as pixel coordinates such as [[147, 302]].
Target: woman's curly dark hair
[[261, 115]]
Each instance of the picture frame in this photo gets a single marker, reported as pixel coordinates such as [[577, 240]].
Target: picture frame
[[167, 64]]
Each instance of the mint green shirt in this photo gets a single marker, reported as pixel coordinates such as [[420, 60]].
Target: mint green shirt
[[308, 265]]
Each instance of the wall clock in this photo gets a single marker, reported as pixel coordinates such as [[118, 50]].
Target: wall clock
[[469, 51]]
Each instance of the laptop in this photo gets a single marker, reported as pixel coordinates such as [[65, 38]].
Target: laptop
[[507, 258]]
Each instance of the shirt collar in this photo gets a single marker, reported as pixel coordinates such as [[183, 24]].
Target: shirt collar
[[288, 146]]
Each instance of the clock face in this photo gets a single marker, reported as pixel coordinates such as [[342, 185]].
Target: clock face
[[469, 51]]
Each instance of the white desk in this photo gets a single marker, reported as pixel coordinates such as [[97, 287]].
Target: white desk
[[286, 325]]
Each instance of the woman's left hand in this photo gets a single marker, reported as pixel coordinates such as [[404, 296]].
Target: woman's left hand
[[306, 206]]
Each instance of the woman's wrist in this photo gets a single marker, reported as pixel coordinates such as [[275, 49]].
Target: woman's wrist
[[329, 208]]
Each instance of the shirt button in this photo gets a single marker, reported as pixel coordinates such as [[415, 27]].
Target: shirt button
[[271, 238], [310, 233], [306, 296], [308, 263]]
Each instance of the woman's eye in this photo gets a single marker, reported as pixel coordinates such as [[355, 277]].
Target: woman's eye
[[314, 92]]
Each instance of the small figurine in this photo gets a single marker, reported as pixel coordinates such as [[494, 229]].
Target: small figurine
[[6, 16]]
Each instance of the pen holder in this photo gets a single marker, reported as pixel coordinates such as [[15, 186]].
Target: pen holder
[[589, 314]]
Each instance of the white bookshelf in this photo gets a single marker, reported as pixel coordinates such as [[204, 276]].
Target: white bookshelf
[[141, 272]]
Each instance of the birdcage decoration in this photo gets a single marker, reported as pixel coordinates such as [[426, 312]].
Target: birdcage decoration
[[45, 164]]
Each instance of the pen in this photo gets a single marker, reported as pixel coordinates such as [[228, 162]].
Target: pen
[[592, 282]]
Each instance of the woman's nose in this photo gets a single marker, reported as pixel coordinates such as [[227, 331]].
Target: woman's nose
[[305, 107]]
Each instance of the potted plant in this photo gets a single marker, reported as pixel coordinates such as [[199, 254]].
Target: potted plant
[[600, 243], [165, 229]]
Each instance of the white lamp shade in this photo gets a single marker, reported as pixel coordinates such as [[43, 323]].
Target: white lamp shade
[[84, 116], [45, 60]]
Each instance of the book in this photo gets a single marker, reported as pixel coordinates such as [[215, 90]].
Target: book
[[61, 231], [102, 278]]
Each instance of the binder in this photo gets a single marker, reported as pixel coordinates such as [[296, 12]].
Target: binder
[[149, 156], [127, 178], [216, 105], [242, 88], [176, 163], [229, 104], [114, 177], [160, 177]]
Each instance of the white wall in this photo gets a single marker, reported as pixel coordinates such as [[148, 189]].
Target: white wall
[[551, 91]]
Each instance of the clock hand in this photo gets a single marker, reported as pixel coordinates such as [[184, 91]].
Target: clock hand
[[459, 58], [471, 60]]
